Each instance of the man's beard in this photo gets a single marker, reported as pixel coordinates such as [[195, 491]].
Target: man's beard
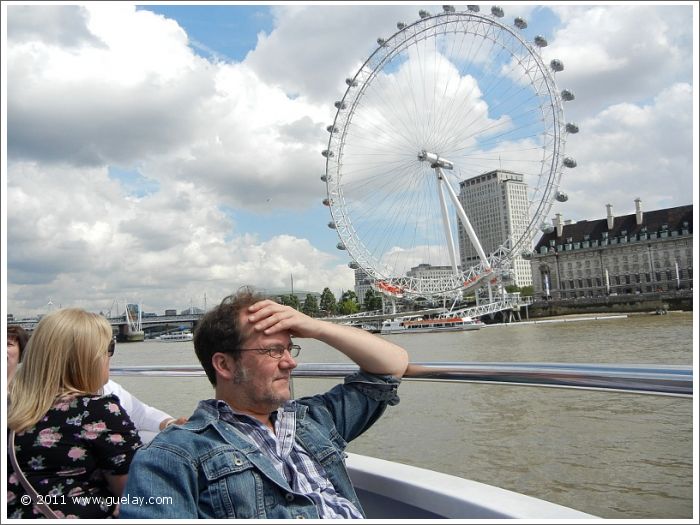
[[274, 400]]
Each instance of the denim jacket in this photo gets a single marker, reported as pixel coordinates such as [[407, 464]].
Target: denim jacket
[[207, 469]]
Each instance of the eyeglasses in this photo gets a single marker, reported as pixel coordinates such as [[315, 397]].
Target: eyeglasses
[[111, 347], [275, 351]]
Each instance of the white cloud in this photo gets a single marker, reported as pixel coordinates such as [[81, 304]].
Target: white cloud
[[620, 53], [632, 151]]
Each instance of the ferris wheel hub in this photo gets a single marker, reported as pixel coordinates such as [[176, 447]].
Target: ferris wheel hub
[[435, 160]]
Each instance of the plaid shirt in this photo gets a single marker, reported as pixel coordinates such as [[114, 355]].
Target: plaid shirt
[[304, 474]]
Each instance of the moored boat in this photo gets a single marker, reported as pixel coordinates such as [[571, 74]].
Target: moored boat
[[175, 337], [441, 323]]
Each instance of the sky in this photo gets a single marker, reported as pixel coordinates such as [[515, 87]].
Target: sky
[[169, 154]]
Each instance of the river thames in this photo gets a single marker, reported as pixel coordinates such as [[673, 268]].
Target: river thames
[[613, 455]]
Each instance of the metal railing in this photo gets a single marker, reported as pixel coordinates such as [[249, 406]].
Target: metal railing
[[668, 380]]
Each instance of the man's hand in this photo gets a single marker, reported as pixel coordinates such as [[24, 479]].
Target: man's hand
[[270, 317], [172, 421], [373, 354]]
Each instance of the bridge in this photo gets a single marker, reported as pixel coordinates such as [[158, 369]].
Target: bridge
[[508, 302], [153, 320]]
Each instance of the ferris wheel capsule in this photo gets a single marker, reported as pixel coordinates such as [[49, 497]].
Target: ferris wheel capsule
[[520, 23], [571, 127], [340, 104], [324, 178], [423, 13], [567, 95], [473, 8], [400, 25], [497, 11], [331, 129], [569, 162], [561, 196], [556, 65], [540, 41], [340, 246], [327, 153], [353, 265], [332, 225], [448, 8]]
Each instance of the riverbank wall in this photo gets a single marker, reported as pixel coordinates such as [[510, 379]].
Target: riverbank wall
[[661, 302]]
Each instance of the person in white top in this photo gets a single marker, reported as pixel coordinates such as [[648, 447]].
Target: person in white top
[[148, 420]]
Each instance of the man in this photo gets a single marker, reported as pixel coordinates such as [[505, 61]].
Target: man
[[252, 452]]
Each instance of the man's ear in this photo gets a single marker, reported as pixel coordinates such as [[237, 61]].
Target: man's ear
[[224, 365]]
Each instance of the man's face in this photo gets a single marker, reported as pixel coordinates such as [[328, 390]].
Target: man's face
[[262, 382]]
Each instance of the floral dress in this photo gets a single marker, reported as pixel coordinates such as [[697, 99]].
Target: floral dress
[[65, 454]]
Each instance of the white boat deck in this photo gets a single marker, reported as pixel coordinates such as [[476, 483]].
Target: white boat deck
[[396, 491]]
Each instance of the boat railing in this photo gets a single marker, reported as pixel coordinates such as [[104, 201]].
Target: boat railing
[[666, 380]]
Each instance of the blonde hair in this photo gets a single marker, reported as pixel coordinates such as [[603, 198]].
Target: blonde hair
[[65, 355]]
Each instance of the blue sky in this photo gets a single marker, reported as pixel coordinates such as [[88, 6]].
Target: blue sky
[[157, 158], [219, 32]]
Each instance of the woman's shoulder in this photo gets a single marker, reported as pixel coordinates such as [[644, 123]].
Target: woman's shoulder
[[89, 403]]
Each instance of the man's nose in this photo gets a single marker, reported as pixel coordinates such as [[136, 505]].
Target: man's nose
[[287, 361]]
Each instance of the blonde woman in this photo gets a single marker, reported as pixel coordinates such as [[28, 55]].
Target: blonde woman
[[73, 445]]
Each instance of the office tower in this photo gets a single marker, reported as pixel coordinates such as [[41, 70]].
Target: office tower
[[497, 206]]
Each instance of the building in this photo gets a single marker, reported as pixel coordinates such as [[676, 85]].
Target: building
[[278, 294], [363, 282], [497, 206], [638, 253], [433, 277]]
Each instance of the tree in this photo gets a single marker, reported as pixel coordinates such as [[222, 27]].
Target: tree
[[512, 288], [327, 306], [348, 303], [310, 306], [527, 291], [290, 300], [373, 301], [348, 307], [348, 295]]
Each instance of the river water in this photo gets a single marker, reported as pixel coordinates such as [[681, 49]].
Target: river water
[[613, 455]]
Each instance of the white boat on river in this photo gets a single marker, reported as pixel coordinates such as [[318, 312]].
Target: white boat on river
[[176, 337], [441, 323]]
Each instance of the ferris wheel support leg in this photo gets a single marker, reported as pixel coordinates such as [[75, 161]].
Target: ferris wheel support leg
[[446, 221], [465, 222]]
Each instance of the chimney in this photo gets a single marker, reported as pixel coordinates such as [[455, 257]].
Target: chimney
[[611, 219], [638, 207], [559, 225]]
